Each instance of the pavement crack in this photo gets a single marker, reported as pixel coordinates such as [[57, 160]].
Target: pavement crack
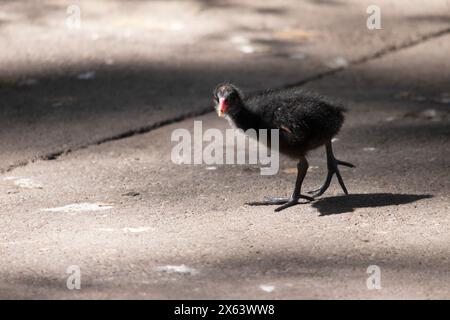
[[140, 130], [378, 54], [145, 129]]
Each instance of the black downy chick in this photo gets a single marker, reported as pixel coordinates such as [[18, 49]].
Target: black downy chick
[[305, 122]]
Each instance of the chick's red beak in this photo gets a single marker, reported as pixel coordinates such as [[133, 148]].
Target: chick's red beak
[[223, 106]]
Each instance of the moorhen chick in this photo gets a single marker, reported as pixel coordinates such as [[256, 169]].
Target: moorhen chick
[[305, 122]]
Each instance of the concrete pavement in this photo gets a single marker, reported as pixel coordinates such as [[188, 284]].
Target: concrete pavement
[[139, 226]]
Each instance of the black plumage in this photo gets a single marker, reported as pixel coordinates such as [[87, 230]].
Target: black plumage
[[306, 121]]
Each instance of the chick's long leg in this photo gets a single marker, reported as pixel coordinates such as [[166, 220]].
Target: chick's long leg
[[332, 164], [302, 168]]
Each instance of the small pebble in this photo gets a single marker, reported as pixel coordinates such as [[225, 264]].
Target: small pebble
[[267, 288], [131, 194]]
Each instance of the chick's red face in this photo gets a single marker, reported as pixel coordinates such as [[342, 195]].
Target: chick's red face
[[226, 98], [222, 108]]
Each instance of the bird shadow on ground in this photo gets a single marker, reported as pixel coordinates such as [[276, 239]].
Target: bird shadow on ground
[[348, 203]]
